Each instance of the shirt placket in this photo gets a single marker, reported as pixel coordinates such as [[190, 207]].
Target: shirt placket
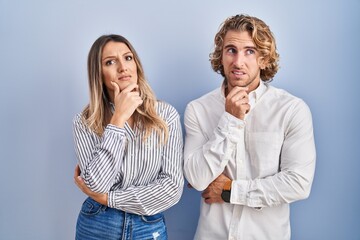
[[240, 174]]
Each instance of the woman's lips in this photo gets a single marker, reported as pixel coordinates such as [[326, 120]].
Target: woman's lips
[[124, 78]]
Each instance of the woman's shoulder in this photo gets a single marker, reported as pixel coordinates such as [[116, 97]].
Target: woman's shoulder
[[166, 110], [78, 120], [163, 106]]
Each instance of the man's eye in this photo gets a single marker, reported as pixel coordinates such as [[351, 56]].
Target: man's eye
[[250, 51], [110, 62], [231, 50], [129, 58]]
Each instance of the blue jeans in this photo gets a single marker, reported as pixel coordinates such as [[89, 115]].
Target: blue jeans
[[99, 222]]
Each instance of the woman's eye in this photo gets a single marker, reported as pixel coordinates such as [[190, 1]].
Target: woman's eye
[[129, 58], [110, 62]]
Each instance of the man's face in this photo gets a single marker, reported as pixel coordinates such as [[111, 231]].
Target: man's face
[[240, 60]]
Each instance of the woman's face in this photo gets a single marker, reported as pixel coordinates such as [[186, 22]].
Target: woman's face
[[118, 65]]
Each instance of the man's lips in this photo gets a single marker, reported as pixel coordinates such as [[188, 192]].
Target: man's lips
[[238, 72]]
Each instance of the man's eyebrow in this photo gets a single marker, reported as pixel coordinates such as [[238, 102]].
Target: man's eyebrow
[[251, 47], [229, 46], [233, 46]]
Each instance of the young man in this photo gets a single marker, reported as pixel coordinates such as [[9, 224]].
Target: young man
[[249, 146]]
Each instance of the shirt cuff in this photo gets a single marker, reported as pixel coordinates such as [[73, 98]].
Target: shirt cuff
[[113, 132], [111, 199], [240, 194], [239, 190], [114, 128]]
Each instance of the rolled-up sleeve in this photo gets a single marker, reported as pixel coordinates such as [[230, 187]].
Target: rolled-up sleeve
[[99, 158], [165, 191], [205, 158]]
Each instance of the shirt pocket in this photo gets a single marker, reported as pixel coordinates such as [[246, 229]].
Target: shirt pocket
[[264, 150]]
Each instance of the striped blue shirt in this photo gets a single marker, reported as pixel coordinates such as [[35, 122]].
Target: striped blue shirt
[[141, 177]]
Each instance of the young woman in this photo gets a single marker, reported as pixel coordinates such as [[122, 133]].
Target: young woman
[[129, 148]]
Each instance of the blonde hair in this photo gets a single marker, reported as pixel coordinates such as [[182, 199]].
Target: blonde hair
[[263, 39], [97, 113]]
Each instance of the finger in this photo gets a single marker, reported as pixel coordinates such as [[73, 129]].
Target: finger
[[205, 195], [136, 89], [242, 101], [209, 200], [206, 191], [132, 87], [81, 184], [78, 182], [236, 90], [140, 102], [116, 88], [246, 108], [77, 171], [135, 98], [240, 96]]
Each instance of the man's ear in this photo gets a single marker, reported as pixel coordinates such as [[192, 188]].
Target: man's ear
[[262, 63]]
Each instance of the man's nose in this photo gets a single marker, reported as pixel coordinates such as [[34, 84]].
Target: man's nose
[[239, 60]]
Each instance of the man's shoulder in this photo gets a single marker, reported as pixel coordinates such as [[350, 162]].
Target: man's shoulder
[[281, 93], [209, 105], [285, 97], [207, 98]]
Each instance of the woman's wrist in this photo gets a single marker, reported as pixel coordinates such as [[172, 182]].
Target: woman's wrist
[[117, 121]]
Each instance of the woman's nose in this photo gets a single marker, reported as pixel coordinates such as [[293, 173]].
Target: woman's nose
[[121, 66]]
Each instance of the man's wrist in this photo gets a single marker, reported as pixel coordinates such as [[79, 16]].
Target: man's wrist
[[226, 192], [227, 185]]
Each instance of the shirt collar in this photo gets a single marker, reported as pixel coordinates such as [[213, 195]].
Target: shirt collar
[[222, 90], [254, 95]]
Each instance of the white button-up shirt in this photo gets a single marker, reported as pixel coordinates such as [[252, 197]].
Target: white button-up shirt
[[270, 156]]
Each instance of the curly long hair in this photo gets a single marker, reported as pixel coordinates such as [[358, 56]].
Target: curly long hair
[[263, 39], [97, 113]]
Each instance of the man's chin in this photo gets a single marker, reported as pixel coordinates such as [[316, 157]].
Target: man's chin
[[239, 83]]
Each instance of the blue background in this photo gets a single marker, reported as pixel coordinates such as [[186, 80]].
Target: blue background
[[44, 46]]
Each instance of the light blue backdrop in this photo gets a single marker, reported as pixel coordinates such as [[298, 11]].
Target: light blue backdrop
[[44, 46]]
